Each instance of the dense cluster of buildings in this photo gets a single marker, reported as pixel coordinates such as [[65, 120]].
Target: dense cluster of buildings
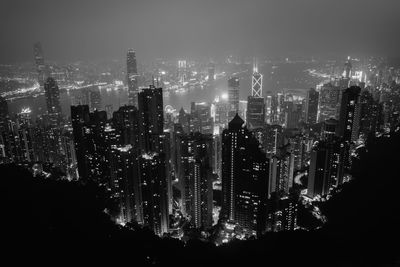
[[155, 163]]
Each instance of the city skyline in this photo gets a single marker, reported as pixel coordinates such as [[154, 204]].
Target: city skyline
[[206, 141]]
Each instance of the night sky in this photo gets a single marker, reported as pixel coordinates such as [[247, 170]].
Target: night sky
[[103, 29]]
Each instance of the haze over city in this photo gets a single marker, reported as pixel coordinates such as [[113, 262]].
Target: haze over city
[[94, 30]]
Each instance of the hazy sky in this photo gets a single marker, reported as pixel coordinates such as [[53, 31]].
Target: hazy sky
[[104, 29]]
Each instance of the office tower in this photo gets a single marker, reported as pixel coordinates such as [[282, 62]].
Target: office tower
[[312, 106], [126, 123], [256, 81], [255, 112], [52, 94], [211, 72], [233, 96], [349, 121], [124, 182], [328, 103], [151, 118], [152, 201], [324, 168], [201, 120], [281, 172], [370, 114], [268, 108], [132, 77], [244, 178], [41, 68]]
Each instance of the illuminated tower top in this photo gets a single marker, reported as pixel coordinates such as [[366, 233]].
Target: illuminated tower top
[[256, 81]]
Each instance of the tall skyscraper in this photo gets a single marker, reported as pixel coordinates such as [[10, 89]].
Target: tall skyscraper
[[256, 81], [349, 121], [244, 178], [233, 96], [52, 94], [152, 200], [41, 68], [151, 118], [124, 182], [324, 168], [194, 169], [201, 120], [312, 106], [281, 172], [155, 180], [132, 77]]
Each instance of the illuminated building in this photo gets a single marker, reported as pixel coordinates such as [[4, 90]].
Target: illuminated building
[[281, 172], [255, 112], [132, 77], [152, 202], [233, 96], [312, 106], [201, 120], [256, 82], [195, 177], [349, 120], [244, 178], [124, 183], [52, 94], [151, 119], [370, 114], [93, 138], [324, 168], [126, 123]]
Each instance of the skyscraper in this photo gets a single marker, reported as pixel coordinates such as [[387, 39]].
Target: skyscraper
[[151, 118], [52, 94], [349, 121], [244, 177], [194, 170], [152, 201], [312, 106], [281, 172], [256, 81], [41, 68], [124, 181], [233, 96], [132, 77]]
